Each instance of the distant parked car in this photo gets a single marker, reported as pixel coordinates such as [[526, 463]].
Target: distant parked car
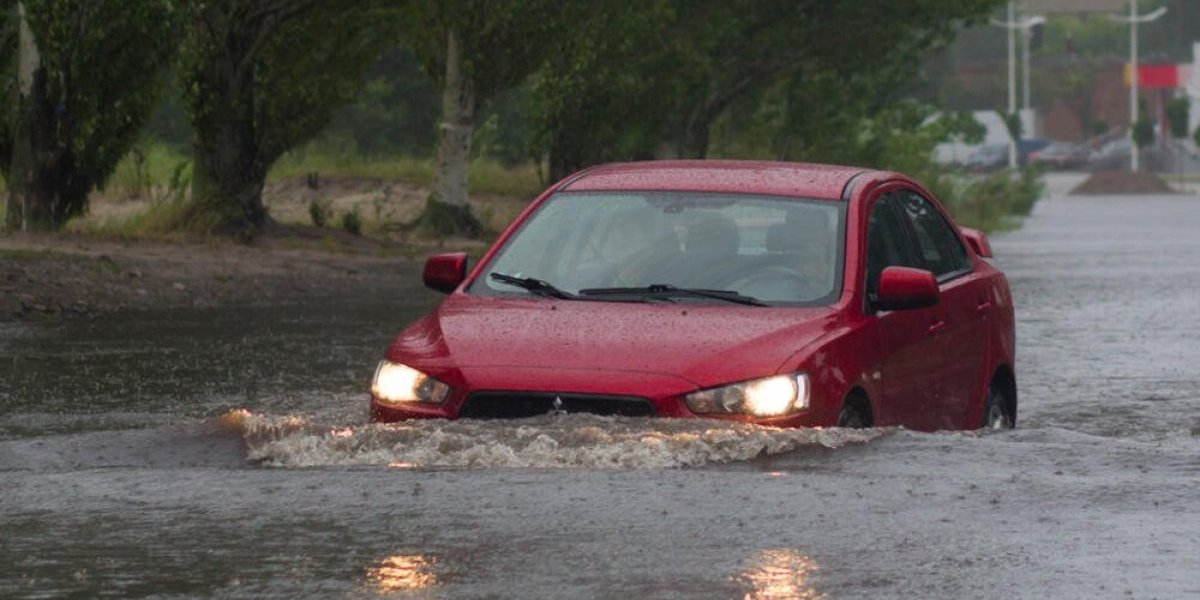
[[1113, 155], [775, 293], [1027, 146], [987, 158], [1061, 155]]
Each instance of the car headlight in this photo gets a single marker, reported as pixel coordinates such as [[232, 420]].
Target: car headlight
[[395, 383], [767, 397]]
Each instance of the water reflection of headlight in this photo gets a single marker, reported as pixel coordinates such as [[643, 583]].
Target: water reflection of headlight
[[781, 573], [403, 572]]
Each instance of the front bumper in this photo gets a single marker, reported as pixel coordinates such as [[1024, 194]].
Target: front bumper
[[495, 392]]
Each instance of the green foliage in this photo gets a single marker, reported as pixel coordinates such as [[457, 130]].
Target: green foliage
[[1143, 131], [610, 90], [995, 201], [352, 223], [1177, 117], [646, 73], [1196, 135], [501, 41], [99, 76], [394, 112], [318, 211], [1012, 122], [8, 80], [338, 161], [149, 169]]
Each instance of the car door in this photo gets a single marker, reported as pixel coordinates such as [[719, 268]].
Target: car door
[[904, 372], [960, 326]]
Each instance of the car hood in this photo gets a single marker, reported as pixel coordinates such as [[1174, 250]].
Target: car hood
[[705, 344]]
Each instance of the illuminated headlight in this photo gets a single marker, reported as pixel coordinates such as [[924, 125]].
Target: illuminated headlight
[[395, 383], [768, 397]]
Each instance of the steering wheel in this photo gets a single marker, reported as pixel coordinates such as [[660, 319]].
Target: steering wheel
[[774, 282]]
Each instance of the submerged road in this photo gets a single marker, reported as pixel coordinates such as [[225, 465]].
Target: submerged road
[[117, 479]]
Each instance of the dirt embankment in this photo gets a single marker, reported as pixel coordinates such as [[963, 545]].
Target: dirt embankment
[[1122, 183], [62, 276], [72, 274]]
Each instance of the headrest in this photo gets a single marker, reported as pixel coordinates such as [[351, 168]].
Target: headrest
[[716, 235]]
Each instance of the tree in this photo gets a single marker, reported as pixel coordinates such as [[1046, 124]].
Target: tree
[[87, 74], [1143, 128], [606, 94], [1177, 117], [694, 60], [474, 50], [260, 77]]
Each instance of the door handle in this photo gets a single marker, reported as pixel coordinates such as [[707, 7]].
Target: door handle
[[937, 328], [983, 307]]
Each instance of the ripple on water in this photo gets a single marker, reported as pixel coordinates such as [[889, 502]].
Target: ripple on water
[[569, 441]]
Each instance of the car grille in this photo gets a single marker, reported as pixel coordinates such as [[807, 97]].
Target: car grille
[[518, 405]]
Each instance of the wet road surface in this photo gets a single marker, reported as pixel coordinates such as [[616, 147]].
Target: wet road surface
[[225, 453]]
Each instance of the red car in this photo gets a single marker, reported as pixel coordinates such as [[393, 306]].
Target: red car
[[776, 293]]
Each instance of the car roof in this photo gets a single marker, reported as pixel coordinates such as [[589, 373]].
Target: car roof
[[740, 176]]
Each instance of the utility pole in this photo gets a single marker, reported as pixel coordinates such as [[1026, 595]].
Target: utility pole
[[1133, 19], [1026, 35], [1012, 25]]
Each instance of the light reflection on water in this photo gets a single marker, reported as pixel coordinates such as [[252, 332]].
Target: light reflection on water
[[403, 572], [781, 573]]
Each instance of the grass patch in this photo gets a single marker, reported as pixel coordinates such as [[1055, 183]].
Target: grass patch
[[149, 171], [484, 177], [301, 163], [161, 219], [490, 177], [23, 255]]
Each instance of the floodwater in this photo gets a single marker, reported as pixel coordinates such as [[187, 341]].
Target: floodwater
[[226, 453]]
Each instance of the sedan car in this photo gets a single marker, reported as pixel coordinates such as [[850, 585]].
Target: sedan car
[[1061, 155], [774, 293], [987, 158]]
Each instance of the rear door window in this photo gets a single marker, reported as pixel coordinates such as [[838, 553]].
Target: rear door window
[[940, 248]]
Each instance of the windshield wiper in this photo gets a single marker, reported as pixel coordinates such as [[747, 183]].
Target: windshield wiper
[[667, 291], [535, 286]]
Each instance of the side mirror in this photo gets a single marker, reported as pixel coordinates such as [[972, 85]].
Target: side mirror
[[978, 241], [444, 272], [903, 288]]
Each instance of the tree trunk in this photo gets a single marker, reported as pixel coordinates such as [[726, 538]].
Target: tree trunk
[[457, 128], [30, 203], [229, 166], [227, 185], [447, 211]]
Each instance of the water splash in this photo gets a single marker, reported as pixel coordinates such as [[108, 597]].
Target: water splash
[[570, 441]]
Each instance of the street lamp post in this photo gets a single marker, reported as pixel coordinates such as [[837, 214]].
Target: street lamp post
[[1012, 25], [1133, 19]]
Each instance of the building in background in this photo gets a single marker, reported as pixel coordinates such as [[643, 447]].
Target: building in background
[[1079, 67]]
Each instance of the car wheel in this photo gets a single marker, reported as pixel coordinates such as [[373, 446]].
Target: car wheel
[[855, 414], [996, 411]]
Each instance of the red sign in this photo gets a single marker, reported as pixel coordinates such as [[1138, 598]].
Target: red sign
[[1159, 76]]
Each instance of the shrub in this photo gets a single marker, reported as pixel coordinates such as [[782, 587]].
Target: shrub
[[318, 211], [996, 201], [352, 223]]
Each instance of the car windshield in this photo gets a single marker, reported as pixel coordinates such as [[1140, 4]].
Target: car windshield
[[673, 247]]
